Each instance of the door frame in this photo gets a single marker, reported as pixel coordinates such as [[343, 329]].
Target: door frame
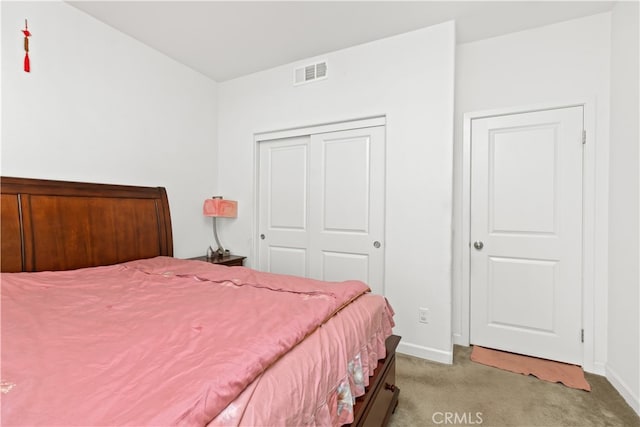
[[265, 136], [592, 301]]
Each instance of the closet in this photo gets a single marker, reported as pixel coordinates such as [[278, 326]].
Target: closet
[[321, 200]]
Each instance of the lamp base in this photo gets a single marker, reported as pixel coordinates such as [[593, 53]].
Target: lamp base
[[218, 253]]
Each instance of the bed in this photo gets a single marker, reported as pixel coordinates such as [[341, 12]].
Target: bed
[[59, 237]]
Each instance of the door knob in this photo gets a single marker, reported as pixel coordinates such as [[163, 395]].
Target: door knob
[[376, 244], [262, 236], [478, 245]]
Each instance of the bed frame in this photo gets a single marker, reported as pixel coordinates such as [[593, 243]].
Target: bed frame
[[62, 225]]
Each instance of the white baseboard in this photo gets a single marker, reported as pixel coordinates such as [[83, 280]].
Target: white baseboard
[[624, 390], [428, 353]]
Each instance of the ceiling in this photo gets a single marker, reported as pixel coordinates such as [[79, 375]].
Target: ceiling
[[225, 39]]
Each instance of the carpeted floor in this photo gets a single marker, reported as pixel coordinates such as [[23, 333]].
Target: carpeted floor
[[470, 394]]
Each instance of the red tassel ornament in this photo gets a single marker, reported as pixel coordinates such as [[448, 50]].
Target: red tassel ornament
[[27, 34]]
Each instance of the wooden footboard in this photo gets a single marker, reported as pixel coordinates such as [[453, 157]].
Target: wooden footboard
[[381, 398]]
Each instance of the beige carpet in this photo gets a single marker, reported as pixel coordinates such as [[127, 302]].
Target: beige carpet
[[547, 370], [479, 395]]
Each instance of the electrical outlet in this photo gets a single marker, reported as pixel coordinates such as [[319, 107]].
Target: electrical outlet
[[423, 315]]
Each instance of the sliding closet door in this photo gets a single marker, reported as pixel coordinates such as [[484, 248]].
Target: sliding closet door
[[346, 214], [322, 206], [283, 206]]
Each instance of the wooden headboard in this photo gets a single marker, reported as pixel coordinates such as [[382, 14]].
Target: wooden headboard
[[60, 225]]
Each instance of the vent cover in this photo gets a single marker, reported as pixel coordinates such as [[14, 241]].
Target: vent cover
[[310, 73]]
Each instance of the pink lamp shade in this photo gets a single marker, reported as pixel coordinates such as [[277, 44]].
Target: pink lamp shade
[[220, 208]]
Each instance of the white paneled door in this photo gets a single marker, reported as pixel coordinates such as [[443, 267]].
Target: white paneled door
[[321, 212], [526, 233], [283, 206]]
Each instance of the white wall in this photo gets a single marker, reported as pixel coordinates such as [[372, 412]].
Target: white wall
[[99, 106], [555, 64], [408, 78], [623, 357]]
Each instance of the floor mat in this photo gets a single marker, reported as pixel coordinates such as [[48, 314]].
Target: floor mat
[[547, 370]]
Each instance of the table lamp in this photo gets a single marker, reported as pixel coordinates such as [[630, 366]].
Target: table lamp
[[217, 207]]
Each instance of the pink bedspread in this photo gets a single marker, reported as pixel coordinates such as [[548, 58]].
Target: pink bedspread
[[316, 383], [152, 342]]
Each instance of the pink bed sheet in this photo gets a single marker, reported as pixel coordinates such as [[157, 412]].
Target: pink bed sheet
[[316, 383], [152, 342]]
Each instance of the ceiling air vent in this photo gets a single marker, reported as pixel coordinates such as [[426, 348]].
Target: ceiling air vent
[[310, 73]]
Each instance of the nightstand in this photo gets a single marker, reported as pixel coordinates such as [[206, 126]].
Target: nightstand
[[228, 260]]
